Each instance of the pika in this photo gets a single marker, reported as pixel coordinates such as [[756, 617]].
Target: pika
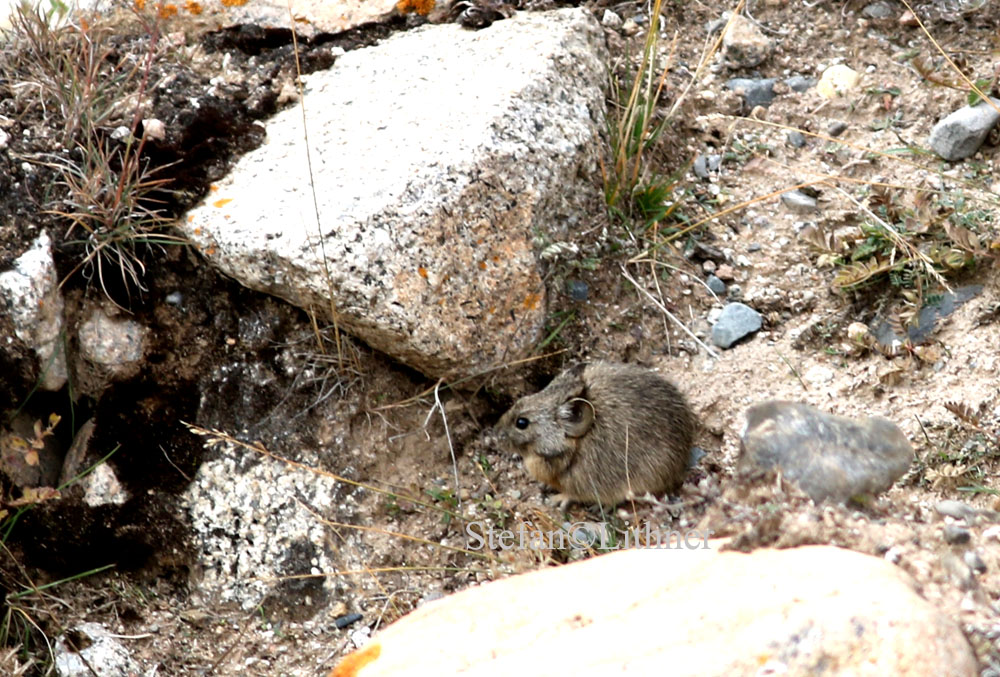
[[602, 431]]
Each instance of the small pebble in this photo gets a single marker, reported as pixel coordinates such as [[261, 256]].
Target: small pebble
[[725, 272], [611, 20], [796, 139], [348, 619], [837, 128], [716, 285], [800, 83], [706, 165], [578, 290], [798, 202], [956, 509], [708, 267], [956, 535], [992, 533], [753, 247], [974, 561]]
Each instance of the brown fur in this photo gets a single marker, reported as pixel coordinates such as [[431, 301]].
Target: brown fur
[[601, 430]]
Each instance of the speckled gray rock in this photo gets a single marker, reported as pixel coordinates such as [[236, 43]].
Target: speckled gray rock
[[252, 523], [960, 135], [438, 156], [744, 45], [29, 294], [95, 650], [830, 457], [736, 321], [111, 341]]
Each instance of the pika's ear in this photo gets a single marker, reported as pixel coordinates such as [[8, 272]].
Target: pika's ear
[[576, 415]]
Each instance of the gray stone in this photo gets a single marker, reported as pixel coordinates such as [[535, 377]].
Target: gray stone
[[836, 128], [611, 20], [578, 290], [878, 10], [716, 285], [755, 92], [94, 650], [252, 523], [744, 45], [706, 165], [799, 202], [796, 138], [800, 83], [830, 457], [960, 135], [928, 317], [955, 509], [432, 188], [974, 561], [735, 322], [956, 535], [111, 341], [29, 294]]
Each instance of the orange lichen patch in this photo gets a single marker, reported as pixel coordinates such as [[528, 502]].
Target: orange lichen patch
[[233, 3], [482, 265], [223, 202], [192, 7], [167, 11], [197, 230], [422, 272], [140, 4], [531, 301], [353, 662], [211, 250], [421, 7], [212, 187]]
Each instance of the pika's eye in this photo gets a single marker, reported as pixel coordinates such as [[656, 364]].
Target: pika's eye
[[521, 423]]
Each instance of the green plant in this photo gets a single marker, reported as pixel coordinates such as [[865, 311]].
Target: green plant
[[631, 185], [913, 244], [448, 498], [71, 72]]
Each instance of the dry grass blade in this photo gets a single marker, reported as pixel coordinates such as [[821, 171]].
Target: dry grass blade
[[971, 85], [673, 318]]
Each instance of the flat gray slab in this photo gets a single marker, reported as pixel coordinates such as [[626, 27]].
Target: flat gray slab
[[438, 156]]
